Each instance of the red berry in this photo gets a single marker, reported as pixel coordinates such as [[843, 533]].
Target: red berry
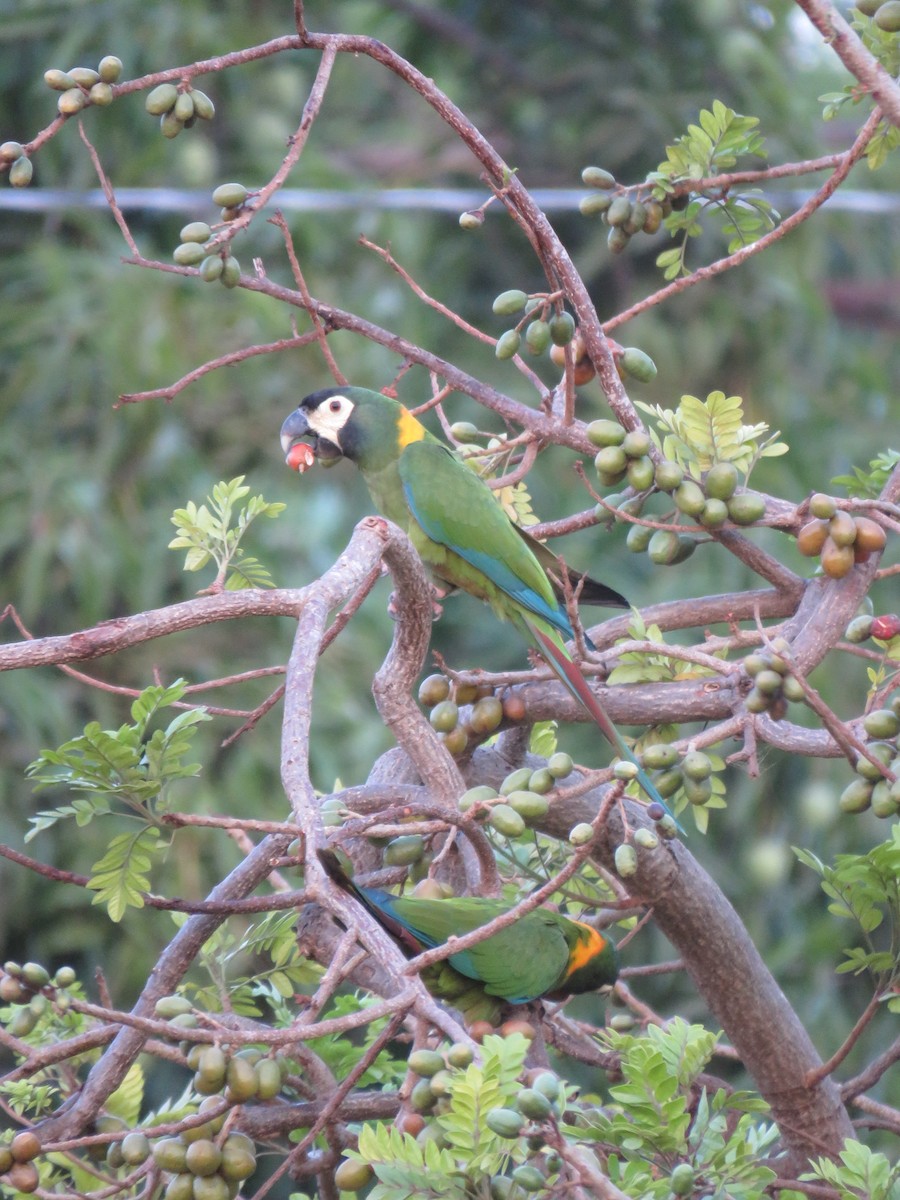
[[300, 457], [886, 627]]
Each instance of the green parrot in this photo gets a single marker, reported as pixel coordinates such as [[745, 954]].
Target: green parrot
[[453, 520], [541, 954]]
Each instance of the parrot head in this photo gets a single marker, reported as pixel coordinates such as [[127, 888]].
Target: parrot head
[[348, 422]]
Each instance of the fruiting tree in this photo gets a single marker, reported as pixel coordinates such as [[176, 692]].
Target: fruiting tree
[[331, 1053]]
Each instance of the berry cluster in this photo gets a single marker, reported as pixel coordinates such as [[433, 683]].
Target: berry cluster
[[871, 789], [178, 107], [837, 538]]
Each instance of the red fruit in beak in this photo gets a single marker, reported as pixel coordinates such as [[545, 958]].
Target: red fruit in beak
[[300, 457]]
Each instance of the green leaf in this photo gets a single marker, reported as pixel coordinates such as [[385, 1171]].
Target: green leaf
[[126, 1100], [121, 876]]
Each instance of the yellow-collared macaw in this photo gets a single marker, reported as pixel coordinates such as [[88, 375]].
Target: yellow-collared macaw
[[453, 520]]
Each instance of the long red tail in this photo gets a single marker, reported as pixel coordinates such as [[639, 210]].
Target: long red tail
[[554, 653]]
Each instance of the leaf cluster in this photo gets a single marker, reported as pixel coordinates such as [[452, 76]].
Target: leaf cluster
[[867, 485], [662, 1118], [470, 1152], [207, 532], [860, 1172], [712, 148], [700, 433], [865, 888], [885, 47], [130, 765]]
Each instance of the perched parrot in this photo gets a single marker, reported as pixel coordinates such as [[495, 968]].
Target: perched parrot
[[455, 523], [541, 954]]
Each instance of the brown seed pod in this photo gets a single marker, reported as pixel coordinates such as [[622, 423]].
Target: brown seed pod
[[811, 538], [870, 536], [836, 560]]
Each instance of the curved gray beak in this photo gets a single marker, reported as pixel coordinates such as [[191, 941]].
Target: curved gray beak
[[296, 428]]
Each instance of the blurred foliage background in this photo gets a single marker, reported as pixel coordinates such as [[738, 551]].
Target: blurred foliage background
[[807, 334]]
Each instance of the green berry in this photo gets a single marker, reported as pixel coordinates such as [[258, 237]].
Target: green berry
[[184, 106], [403, 851], [562, 329], [161, 99], [697, 791], [508, 303], [617, 240], [515, 781], [135, 1148], [745, 508], [681, 1181], [689, 498], [238, 1157], [611, 461], [188, 254], [59, 81], [21, 172], [592, 206], [881, 723], [444, 716], [605, 433], [211, 268], [645, 838], [668, 475], [541, 781], [505, 819], [101, 94], [169, 1155], [203, 106], [230, 195], [195, 231], [696, 765], [637, 364], [596, 177], [581, 834], [231, 272], [85, 77], [660, 756], [639, 472], [529, 805], [625, 860], [666, 547], [560, 764], [639, 539], [508, 344], [619, 211], [537, 337], [505, 1122], [856, 796], [713, 514], [721, 481], [109, 68], [10, 151], [425, 1063], [474, 796], [822, 506], [636, 443], [528, 1178], [170, 126], [887, 17], [71, 102]]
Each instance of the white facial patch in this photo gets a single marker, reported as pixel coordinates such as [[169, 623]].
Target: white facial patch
[[330, 417]]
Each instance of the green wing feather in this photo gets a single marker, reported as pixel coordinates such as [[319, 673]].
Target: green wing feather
[[518, 963], [456, 511]]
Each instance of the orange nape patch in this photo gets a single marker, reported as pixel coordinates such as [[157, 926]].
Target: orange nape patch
[[409, 429], [590, 944]]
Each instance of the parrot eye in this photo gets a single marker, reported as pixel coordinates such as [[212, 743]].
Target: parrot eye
[[335, 405]]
